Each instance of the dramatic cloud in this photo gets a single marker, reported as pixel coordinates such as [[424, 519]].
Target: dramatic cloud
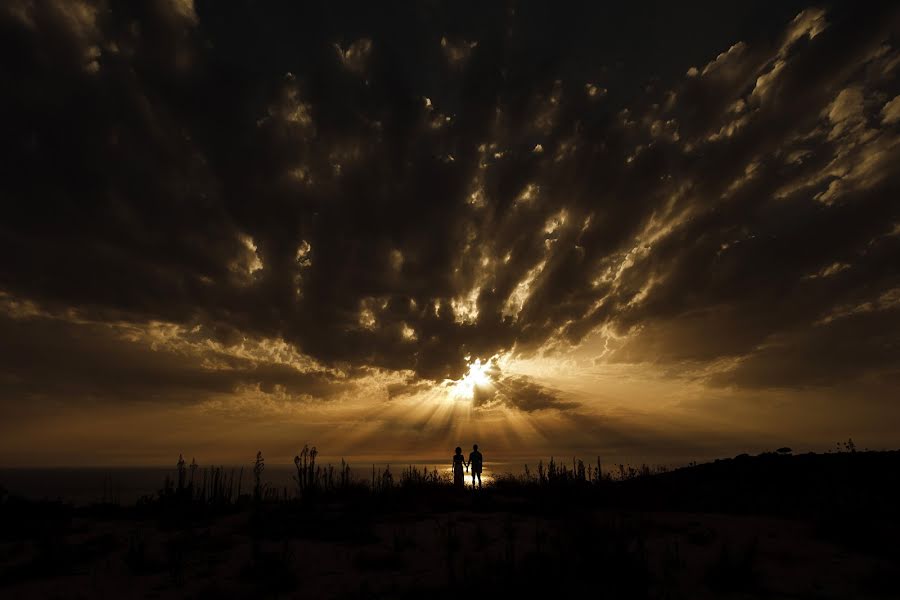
[[391, 193], [65, 356], [521, 393]]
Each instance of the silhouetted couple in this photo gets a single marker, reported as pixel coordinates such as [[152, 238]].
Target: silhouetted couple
[[475, 462]]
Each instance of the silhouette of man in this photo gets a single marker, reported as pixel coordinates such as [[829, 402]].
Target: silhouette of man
[[476, 461]]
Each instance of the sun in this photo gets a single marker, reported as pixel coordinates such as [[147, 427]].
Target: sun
[[478, 375]]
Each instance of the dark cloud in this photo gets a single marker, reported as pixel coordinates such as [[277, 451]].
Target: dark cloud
[[861, 344], [521, 393], [51, 359], [406, 388], [401, 189]]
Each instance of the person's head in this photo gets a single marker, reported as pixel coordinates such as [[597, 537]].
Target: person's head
[[458, 450], [475, 447]]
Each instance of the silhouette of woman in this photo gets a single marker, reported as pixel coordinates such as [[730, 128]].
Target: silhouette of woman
[[458, 478]]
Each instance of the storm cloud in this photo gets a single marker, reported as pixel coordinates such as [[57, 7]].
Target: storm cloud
[[397, 188]]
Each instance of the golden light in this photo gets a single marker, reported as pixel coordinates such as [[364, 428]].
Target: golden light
[[477, 376]]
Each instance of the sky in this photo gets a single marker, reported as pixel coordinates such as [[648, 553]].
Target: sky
[[654, 232]]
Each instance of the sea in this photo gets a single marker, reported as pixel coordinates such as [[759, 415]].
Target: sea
[[126, 485]]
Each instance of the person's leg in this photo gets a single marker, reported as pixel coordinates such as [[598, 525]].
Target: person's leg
[[479, 481]]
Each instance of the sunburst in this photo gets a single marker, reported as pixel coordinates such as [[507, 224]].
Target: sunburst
[[477, 375]]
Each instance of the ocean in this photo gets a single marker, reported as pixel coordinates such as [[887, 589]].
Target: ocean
[[125, 485]]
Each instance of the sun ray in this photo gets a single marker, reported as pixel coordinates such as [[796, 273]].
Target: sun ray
[[477, 376]]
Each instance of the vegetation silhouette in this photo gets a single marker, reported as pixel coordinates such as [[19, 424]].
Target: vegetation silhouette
[[720, 529]]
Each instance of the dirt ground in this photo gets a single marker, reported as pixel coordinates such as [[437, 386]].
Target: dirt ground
[[329, 554]]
